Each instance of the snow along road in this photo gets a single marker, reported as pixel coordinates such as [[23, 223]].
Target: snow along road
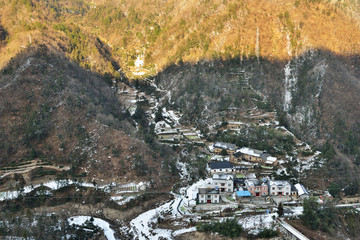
[[145, 227], [105, 226]]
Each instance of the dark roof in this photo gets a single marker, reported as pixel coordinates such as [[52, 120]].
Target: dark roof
[[293, 188], [219, 165], [237, 154], [239, 181], [208, 191], [265, 155], [241, 168]]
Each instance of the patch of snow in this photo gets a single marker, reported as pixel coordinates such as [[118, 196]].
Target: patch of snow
[[290, 84], [258, 222], [139, 62], [211, 147], [138, 73], [122, 200], [105, 226], [184, 174], [185, 230], [191, 192], [145, 225], [142, 225], [55, 185]]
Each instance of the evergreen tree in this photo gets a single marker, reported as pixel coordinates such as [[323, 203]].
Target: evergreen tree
[[280, 211], [334, 189], [310, 217]]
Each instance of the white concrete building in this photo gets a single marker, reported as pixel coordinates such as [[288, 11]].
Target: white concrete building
[[224, 182], [209, 195], [277, 188]]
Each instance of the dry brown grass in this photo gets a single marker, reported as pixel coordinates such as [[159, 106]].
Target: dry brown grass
[[191, 30]]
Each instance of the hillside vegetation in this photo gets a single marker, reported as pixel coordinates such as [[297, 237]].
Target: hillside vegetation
[[55, 113], [104, 35]]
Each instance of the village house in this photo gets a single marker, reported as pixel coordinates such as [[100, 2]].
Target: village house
[[254, 156], [251, 155], [269, 160], [221, 167], [294, 191], [302, 192], [279, 188], [224, 182], [234, 125], [236, 157], [209, 195], [257, 188], [220, 146], [240, 169]]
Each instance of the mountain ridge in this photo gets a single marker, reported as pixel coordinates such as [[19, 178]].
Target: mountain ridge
[[198, 31]]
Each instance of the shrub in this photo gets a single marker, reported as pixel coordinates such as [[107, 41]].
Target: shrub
[[268, 233], [228, 228]]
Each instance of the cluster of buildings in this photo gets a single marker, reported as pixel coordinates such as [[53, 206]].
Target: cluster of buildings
[[237, 155], [226, 184]]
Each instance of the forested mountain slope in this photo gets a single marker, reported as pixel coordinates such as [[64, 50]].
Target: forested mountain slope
[[105, 34], [55, 112]]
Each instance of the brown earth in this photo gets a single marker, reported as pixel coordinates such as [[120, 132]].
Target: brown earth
[[53, 110]]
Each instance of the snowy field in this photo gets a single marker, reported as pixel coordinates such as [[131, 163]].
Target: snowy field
[[145, 226], [254, 224], [55, 185], [105, 226]]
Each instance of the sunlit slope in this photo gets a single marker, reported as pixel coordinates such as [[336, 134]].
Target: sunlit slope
[[105, 34]]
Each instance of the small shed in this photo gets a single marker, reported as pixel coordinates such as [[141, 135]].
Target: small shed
[[302, 191]]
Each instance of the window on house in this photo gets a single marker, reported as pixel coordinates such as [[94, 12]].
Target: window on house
[[273, 188], [209, 196], [223, 184], [229, 185]]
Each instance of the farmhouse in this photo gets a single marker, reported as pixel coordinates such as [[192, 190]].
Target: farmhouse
[[224, 182], [221, 167], [209, 195], [256, 188], [228, 147], [254, 156], [235, 125], [251, 155], [279, 188], [236, 157]]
